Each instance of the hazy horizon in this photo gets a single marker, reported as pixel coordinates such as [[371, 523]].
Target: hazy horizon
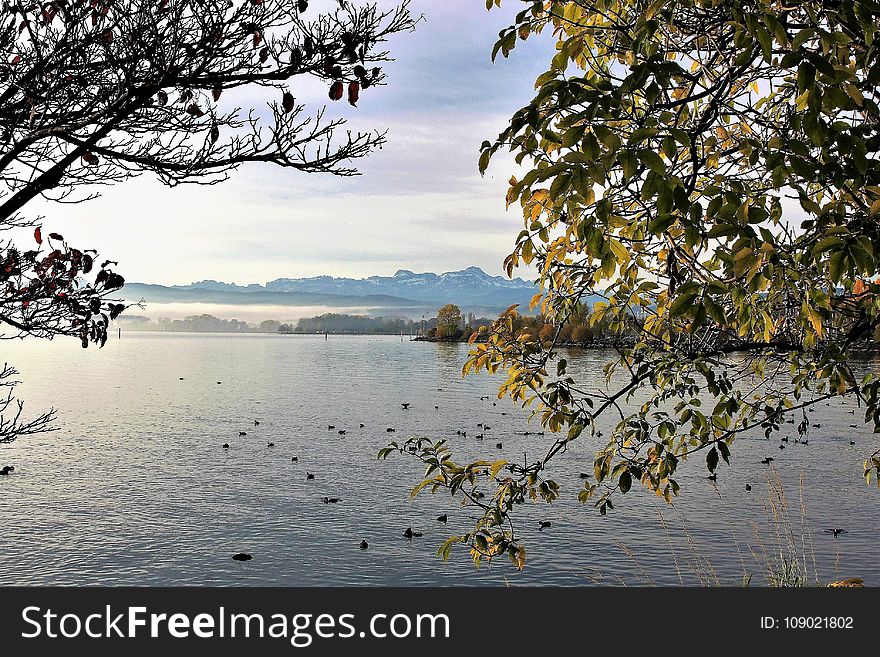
[[258, 313]]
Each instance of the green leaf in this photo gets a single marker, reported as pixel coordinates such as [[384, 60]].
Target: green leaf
[[837, 265], [725, 451], [802, 37], [766, 42], [660, 223], [715, 311], [723, 230], [682, 304], [653, 161], [712, 459], [485, 156], [629, 163]]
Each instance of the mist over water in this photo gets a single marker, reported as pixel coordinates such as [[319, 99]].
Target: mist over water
[[256, 313], [136, 488]]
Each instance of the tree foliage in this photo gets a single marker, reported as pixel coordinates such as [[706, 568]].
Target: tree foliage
[[448, 320], [343, 323], [93, 93], [710, 168]]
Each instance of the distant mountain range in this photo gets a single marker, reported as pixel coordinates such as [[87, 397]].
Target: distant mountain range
[[468, 288]]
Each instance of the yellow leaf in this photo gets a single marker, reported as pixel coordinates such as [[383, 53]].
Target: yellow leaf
[[814, 318], [653, 8], [520, 558], [496, 467], [854, 93], [852, 582]]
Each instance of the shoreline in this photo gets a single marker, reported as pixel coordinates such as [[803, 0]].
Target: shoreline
[[601, 343], [628, 342]]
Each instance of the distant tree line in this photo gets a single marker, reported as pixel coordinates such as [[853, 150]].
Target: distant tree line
[[329, 323], [449, 326], [195, 324], [342, 323]]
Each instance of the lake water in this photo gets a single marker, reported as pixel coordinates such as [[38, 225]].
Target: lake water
[[135, 487]]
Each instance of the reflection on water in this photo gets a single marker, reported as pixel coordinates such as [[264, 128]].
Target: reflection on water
[[136, 487]]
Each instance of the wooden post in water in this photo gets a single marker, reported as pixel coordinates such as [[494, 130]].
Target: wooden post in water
[[119, 333]]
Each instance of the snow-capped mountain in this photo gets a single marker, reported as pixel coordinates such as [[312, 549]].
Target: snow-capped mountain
[[468, 287], [471, 286]]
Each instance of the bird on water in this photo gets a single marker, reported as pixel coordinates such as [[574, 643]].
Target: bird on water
[[835, 532], [409, 533]]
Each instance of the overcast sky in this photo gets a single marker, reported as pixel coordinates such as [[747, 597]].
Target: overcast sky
[[421, 203]]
